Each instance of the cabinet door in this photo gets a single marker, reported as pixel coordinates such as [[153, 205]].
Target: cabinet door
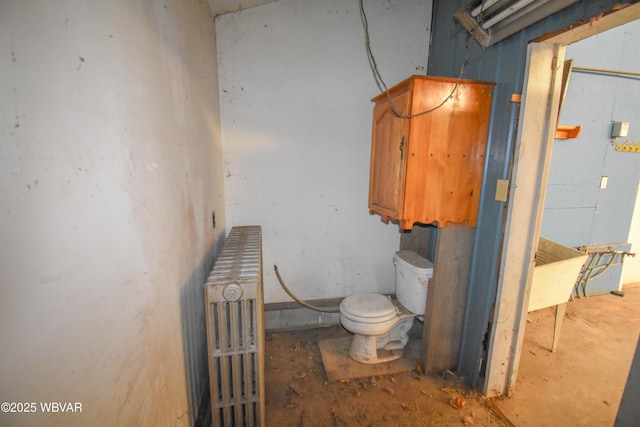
[[389, 148]]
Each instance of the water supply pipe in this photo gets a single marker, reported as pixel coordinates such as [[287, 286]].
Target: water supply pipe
[[301, 301]]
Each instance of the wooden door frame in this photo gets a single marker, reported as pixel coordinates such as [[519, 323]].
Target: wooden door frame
[[538, 119]]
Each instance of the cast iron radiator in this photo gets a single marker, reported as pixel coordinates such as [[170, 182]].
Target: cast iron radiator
[[235, 330]]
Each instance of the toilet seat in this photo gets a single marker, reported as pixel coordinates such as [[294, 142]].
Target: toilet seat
[[368, 308], [368, 314]]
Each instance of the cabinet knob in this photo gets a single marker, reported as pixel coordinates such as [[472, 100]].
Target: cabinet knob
[[402, 148]]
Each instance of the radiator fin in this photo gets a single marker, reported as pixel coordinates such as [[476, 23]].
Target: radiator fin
[[235, 331]]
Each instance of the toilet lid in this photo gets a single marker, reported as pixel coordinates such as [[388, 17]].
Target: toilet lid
[[368, 307]]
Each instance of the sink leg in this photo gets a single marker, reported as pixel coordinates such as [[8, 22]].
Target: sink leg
[[560, 310]]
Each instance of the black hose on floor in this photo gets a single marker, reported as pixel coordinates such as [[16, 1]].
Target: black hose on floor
[[300, 301]]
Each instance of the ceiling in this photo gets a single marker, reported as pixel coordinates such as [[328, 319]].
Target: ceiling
[[219, 7]]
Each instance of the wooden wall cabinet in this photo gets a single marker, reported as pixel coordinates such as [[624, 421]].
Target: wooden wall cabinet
[[428, 169]]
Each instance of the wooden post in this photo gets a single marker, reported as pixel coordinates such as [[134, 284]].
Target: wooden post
[[446, 299]]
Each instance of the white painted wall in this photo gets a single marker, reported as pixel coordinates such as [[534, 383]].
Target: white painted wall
[[295, 90], [218, 7], [110, 163]]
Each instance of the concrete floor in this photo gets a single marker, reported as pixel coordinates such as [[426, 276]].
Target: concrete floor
[[582, 383]]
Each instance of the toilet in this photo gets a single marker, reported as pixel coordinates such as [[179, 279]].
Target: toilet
[[379, 325]]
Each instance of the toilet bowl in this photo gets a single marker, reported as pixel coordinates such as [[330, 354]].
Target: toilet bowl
[[380, 325]]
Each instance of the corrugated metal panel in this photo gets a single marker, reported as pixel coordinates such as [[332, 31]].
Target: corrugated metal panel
[[195, 339]]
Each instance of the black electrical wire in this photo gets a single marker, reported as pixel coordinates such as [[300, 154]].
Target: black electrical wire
[[382, 85]]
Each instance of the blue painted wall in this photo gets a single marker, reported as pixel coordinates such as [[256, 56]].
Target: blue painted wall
[[577, 211], [504, 64]]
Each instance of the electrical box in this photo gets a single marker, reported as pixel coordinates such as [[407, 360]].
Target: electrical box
[[502, 190], [619, 129]]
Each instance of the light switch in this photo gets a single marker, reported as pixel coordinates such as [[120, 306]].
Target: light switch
[[502, 189], [603, 182]]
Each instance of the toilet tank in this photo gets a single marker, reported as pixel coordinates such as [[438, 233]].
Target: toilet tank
[[412, 279]]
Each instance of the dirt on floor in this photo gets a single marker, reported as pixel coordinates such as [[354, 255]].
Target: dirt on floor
[[299, 394], [579, 385]]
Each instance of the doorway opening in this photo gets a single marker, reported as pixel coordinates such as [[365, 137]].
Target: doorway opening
[[538, 117]]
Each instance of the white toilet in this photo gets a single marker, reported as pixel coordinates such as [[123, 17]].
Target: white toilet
[[381, 327]]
